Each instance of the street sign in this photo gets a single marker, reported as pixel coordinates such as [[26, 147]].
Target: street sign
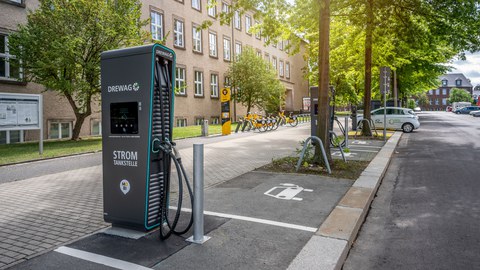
[[385, 80]]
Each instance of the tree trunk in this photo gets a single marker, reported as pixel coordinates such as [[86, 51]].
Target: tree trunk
[[79, 116], [368, 68], [323, 80]]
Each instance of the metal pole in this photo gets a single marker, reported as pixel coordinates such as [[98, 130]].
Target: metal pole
[[40, 120], [198, 237], [346, 131], [384, 115]]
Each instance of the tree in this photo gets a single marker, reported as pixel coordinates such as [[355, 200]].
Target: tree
[[323, 127], [61, 43], [459, 95], [256, 82]]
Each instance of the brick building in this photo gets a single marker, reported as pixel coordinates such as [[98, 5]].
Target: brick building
[[438, 98], [203, 58]]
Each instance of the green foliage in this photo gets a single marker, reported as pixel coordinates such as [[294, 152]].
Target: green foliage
[[411, 104], [422, 99], [61, 43], [256, 82], [459, 95]]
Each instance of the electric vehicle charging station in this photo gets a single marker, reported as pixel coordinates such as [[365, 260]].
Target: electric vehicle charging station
[[137, 121]]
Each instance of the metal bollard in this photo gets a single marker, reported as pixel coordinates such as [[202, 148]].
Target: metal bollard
[[198, 237], [205, 128]]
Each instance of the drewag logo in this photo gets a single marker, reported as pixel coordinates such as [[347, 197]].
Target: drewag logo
[[123, 87]]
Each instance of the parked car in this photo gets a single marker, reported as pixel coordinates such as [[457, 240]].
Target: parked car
[[475, 113], [417, 109], [397, 118], [467, 110]]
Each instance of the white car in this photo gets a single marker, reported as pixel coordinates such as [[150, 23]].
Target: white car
[[397, 118], [475, 113]]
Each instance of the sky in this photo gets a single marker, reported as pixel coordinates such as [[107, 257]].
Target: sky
[[470, 68]]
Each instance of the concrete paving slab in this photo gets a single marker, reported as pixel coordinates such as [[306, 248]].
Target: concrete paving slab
[[357, 197], [321, 253], [342, 223]]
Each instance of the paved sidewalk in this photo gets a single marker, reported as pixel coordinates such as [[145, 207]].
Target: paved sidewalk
[[41, 213]]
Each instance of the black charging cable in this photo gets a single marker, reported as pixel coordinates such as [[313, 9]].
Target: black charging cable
[[168, 149]]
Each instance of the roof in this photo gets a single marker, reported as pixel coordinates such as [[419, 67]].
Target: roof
[[452, 77]]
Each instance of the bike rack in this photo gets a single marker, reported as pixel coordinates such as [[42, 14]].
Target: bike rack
[[370, 124], [339, 146], [302, 154]]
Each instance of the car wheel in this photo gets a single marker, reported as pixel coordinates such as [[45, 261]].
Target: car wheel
[[407, 127]]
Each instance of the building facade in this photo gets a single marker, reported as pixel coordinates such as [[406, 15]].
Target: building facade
[[203, 58], [438, 98]]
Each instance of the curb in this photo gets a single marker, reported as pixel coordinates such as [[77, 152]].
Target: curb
[[329, 247]]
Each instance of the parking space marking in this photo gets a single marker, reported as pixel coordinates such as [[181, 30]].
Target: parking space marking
[[367, 151], [256, 220], [100, 259]]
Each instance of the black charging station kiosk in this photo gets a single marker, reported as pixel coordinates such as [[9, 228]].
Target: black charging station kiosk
[[136, 173]]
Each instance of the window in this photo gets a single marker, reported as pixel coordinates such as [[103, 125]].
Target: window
[[215, 120], [436, 101], [259, 53], [10, 67], [199, 121], [11, 136], [248, 24], [280, 68], [180, 86], [437, 92], [444, 82], [214, 85], [258, 34], [280, 45], [430, 101], [274, 63], [444, 91], [156, 23], [267, 57], [178, 36], [60, 130], [227, 81], [444, 101], [212, 8], [198, 82], [197, 38], [212, 40], [238, 48], [96, 127], [287, 46], [226, 48], [225, 7], [287, 70], [430, 92], [237, 20], [181, 122], [458, 82], [196, 4]]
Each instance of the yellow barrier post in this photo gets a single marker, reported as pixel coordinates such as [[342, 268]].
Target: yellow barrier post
[[225, 98]]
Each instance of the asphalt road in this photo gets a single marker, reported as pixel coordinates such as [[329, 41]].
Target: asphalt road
[[427, 211]]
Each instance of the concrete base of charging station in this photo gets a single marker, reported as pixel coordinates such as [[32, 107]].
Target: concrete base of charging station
[[126, 233]]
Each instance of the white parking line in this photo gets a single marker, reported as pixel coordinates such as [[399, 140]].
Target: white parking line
[[367, 151], [256, 220], [100, 259]]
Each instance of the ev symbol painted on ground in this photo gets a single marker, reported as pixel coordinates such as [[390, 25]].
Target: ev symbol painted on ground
[[286, 191]]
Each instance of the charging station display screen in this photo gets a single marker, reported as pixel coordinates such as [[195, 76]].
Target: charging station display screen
[[124, 118]]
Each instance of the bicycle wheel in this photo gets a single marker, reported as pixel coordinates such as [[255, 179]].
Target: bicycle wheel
[[293, 122], [275, 123]]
